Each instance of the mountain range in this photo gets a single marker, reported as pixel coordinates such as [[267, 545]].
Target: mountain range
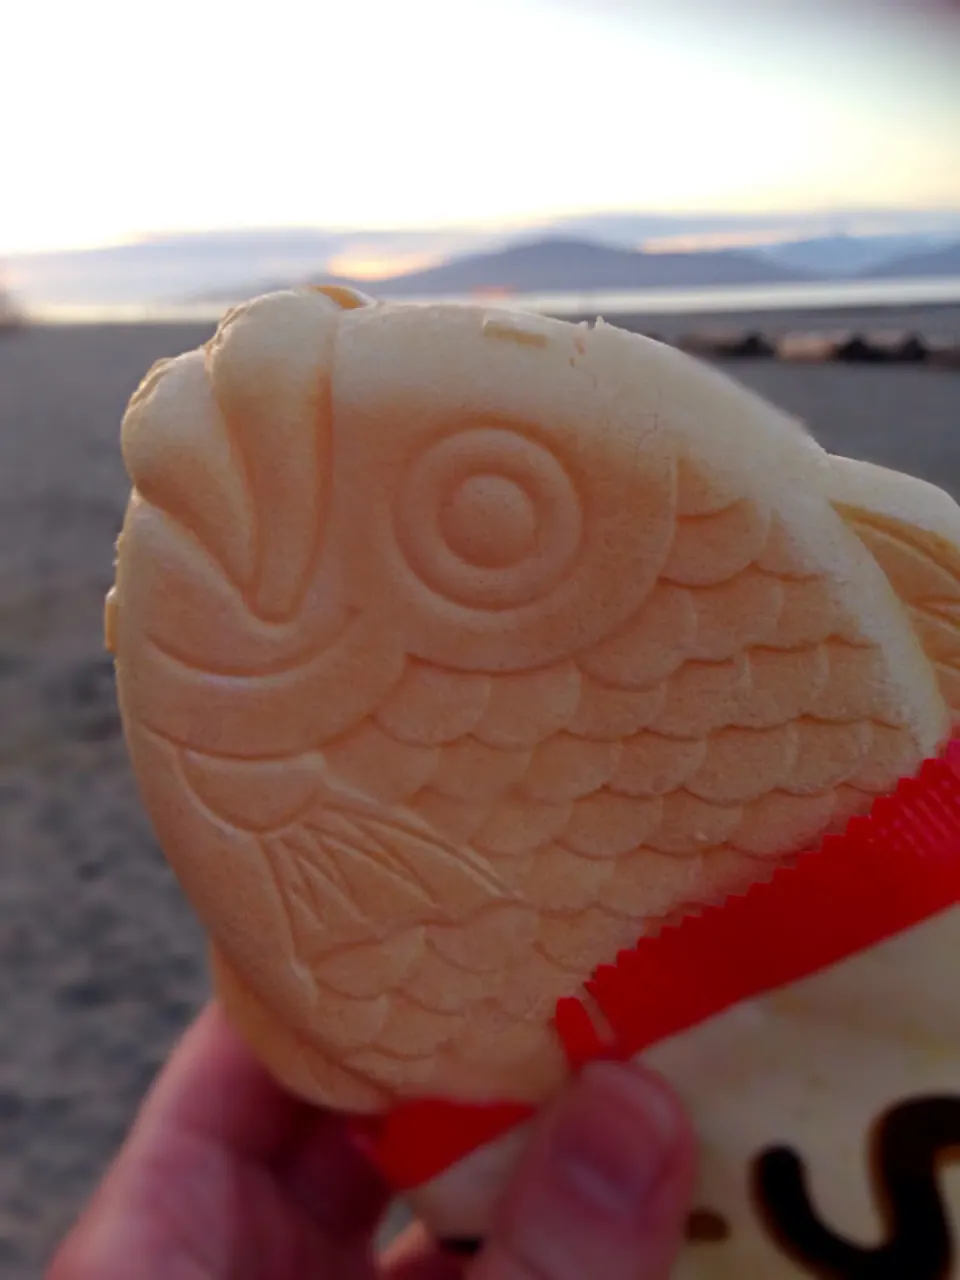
[[933, 262], [594, 253], [569, 265], [858, 256], [578, 266]]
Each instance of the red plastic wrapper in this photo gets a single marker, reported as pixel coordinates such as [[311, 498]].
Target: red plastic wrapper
[[889, 870]]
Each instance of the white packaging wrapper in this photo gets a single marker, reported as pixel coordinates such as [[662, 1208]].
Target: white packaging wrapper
[[856, 1071]]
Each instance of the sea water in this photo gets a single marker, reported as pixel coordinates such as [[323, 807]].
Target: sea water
[[815, 295]]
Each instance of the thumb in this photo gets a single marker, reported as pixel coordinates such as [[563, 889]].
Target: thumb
[[603, 1188]]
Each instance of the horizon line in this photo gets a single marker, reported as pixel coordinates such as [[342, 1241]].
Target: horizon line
[[493, 226]]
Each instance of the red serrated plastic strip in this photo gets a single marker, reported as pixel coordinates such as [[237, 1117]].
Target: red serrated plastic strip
[[421, 1138], [888, 871]]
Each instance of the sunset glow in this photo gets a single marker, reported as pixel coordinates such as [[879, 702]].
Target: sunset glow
[[377, 266]]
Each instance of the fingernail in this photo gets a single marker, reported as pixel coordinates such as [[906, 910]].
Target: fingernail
[[615, 1139]]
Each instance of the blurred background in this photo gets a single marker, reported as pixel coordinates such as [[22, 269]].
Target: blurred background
[[775, 184], [200, 153]]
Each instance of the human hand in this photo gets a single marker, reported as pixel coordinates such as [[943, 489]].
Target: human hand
[[226, 1177]]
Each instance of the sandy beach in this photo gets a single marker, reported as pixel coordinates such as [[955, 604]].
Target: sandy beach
[[101, 963]]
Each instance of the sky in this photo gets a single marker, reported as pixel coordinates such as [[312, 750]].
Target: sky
[[122, 120]]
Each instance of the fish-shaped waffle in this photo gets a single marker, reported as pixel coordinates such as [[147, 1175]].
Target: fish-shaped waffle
[[456, 648]]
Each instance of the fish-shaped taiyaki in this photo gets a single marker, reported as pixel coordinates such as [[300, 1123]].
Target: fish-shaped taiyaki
[[457, 647]]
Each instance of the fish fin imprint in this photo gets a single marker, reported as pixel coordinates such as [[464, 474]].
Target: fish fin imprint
[[912, 530]]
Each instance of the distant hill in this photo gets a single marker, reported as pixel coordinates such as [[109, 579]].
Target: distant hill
[[558, 265], [164, 267], [848, 255], [630, 230], [934, 262], [173, 267]]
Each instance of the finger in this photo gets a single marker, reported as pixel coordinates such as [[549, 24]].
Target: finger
[[197, 1187], [413, 1255], [214, 1089], [603, 1189], [192, 1184], [332, 1181]]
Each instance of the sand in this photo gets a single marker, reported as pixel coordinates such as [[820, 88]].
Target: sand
[[101, 963]]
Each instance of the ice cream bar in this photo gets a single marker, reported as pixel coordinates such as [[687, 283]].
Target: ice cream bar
[[459, 649]]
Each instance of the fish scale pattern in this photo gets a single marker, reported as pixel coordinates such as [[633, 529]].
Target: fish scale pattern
[[590, 796], [599, 792]]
